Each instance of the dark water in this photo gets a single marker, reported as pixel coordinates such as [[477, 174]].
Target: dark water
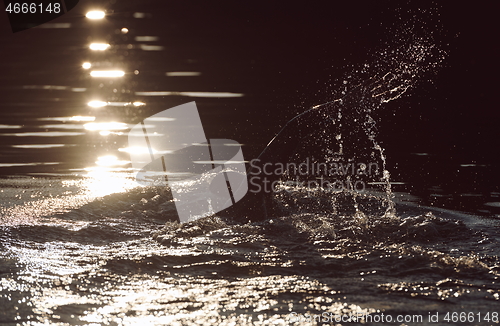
[[113, 261], [84, 245]]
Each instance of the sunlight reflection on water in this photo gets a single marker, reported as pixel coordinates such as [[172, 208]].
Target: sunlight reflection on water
[[29, 201], [102, 181], [99, 46]]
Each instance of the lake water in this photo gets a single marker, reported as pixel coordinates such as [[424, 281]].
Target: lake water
[[83, 244]]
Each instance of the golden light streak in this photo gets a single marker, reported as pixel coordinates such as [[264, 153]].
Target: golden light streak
[[98, 126], [97, 104], [95, 14], [107, 73], [99, 46]]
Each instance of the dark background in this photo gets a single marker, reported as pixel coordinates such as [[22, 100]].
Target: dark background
[[285, 57]]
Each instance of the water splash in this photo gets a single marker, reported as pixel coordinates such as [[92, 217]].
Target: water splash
[[349, 128]]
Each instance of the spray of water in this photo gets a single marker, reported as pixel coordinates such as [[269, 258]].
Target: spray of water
[[349, 129]]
